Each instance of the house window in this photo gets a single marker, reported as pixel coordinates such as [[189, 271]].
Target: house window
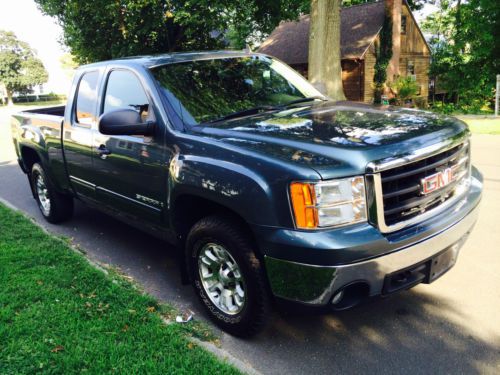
[[403, 24], [410, 68]]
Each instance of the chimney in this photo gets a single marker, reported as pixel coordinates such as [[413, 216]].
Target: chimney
[[394, 7]]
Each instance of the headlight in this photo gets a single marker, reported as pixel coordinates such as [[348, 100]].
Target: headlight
[[329, 203]]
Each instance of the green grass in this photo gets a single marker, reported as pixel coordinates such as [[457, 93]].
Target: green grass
[[483, 126], [59, 314]]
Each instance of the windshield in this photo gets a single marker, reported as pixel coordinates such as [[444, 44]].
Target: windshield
[[201, 91]]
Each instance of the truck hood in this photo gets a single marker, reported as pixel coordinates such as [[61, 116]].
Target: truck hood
[[335, 139]]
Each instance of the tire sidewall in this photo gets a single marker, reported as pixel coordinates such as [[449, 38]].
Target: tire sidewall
[[236, 323], [36, 171]]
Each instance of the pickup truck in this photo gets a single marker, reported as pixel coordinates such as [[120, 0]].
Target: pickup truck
[[269, 190]]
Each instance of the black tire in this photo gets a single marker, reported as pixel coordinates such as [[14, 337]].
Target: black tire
[[60, 206], [255, 308]]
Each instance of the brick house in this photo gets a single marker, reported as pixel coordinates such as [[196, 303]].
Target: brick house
[[360, 29]]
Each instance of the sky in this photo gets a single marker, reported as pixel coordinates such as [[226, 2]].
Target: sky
[[42, 33]]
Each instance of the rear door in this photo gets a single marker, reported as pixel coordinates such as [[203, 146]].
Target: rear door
[[77, 134], [129, 171]]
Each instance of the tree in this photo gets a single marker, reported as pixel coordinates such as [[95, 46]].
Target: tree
[[20, 69], [325, 71], [383, 52], [97, 30], [68, 64], [466, 49]]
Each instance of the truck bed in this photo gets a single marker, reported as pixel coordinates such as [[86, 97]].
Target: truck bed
[[39, 130], [54, 111]]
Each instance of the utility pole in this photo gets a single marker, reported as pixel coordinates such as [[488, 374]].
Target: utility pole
[[497, 95]]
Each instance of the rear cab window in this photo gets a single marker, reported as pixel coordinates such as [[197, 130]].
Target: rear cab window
[[86, 99]]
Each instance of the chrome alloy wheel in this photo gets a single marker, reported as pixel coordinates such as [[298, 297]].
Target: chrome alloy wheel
[[221, 278], [43, 195]]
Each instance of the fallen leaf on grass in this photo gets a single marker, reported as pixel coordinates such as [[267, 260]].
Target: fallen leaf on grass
[[57, 349]]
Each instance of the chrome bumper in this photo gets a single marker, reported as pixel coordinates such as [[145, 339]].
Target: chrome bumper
[[316, 285]]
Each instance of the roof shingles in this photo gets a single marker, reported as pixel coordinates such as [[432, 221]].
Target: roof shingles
[[360, 24]]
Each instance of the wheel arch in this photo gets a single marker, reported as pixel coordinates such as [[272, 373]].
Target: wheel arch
[[188, 209]]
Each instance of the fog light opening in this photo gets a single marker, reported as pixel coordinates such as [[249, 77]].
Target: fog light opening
[[350, 295]]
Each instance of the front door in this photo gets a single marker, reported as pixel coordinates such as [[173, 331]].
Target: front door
[[130, 173]]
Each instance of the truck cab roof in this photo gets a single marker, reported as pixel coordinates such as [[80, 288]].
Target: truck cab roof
[[150, 61]]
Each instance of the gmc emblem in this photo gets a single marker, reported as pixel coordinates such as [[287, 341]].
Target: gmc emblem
[[438, 180]]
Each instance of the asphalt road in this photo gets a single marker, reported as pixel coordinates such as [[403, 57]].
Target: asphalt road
[[450, 326]]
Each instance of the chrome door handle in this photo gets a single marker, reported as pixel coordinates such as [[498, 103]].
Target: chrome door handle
[[103, 152]]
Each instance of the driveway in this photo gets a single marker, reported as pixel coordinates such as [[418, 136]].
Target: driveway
[[450, 326]]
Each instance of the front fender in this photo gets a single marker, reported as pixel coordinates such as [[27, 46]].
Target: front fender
[[234, 186]]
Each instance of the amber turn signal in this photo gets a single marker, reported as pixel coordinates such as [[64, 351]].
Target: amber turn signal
[[303, 202]]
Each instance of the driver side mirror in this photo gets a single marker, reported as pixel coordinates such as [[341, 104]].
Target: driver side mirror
[[124, 121]]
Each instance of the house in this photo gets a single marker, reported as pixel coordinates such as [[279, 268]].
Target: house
[[360, 29]]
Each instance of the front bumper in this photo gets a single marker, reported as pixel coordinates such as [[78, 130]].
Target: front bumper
[[317, 284]]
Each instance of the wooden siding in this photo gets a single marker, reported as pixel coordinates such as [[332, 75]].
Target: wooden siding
[[412, 41], [369, 74], [421, 67], [413, 50], [357, 76]]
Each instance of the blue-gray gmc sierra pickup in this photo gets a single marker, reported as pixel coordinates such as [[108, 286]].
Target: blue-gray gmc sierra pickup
[[268, 189]]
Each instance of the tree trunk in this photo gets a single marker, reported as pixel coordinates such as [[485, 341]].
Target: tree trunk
[[325, 70], [9, 98]]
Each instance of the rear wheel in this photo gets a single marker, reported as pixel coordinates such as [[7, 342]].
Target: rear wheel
[[55, 207], [227, 276]]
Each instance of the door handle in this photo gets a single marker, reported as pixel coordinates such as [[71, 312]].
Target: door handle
[[103, 152]]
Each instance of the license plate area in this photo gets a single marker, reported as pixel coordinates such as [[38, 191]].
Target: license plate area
[[441, 263], [424, 272]]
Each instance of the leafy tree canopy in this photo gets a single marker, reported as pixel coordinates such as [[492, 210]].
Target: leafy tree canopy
[[20, 69], [97, 30], [102, 29], [466, 48]]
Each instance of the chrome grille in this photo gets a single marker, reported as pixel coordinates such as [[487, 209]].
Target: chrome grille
[[398, 189]]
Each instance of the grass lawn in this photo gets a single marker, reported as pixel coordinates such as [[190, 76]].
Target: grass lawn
[[59, 314], [483, 126]]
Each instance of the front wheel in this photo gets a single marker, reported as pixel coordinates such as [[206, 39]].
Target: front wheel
[[227, 276], [54, 206]]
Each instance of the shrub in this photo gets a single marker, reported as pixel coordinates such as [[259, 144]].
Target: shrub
[[404, 88], [421, 102]]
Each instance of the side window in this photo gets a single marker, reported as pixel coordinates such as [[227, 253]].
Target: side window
[[86, 98], [124, 90]]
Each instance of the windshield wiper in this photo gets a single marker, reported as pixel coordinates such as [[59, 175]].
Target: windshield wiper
[[245, 112], [302, 100], [263, 108]]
